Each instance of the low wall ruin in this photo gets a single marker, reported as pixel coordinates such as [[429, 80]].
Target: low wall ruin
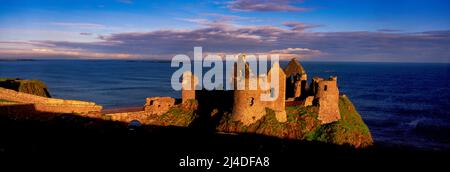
[[44, 104]]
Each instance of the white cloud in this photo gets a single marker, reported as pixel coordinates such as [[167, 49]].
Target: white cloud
[[79, 25]]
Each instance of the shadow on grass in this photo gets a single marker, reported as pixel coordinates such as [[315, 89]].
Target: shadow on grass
[[65, 137]]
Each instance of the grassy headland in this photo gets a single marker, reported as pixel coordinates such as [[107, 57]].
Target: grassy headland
[[35, 87]]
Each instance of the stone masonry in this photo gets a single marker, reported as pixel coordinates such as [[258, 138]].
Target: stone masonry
[[326, 97], [158, 105], [248, 106], [45, 104], [189, 83]]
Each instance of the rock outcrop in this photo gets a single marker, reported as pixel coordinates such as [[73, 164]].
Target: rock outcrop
[[34, 87], [303, 124]]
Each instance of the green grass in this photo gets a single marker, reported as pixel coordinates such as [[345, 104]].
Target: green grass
[[2, 100], [4, 79], [351, 129], [178, 116]]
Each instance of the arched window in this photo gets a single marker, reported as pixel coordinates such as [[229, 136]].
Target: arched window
[[325, 88]]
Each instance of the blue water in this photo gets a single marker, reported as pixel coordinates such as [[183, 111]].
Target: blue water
[[403, 104]]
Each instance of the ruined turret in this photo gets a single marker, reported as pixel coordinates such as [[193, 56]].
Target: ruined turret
[[296, 80], [326, 97], [279, 104], [247, 105], [250, 103], [189, 83]]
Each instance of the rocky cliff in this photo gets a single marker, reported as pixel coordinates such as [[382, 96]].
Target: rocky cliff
[[34, 87], [303, 124]]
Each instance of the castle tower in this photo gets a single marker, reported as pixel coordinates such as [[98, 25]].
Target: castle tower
[[189, 83], [279, 104], [247, 105], [326, 97], [296, 80]]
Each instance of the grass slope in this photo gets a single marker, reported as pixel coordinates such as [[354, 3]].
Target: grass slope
[[302, 124]]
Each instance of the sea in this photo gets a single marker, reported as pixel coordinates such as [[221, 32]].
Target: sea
[[404, 104]]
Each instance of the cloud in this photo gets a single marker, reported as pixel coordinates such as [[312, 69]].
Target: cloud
[[55, 53], [388, 30], [222, 22], [85, 33], [298, 26], [264, 5], [78, 25], [215, 20], [293, 40], [299, 53]]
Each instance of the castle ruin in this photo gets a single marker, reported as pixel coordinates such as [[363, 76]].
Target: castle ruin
[[297, 80], [248, 107]]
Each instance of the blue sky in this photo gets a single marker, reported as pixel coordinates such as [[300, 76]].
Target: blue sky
[[323, 30]]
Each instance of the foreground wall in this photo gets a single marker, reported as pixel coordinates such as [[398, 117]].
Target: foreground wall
[[44, 104]]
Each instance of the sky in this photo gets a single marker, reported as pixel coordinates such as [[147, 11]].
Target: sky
[[311, 30]]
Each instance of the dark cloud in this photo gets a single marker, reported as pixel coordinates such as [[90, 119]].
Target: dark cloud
[[389, 30], [429, 46], [264, 5], [298, 26]]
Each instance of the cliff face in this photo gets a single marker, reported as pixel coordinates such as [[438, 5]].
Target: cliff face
[[302, 124], [34, 87], [351, 129]]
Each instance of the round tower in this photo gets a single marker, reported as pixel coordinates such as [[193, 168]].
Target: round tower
[[189, 83], [247, 105]]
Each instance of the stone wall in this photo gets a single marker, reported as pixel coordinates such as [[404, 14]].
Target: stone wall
[[296, 80], [248, 107], [153, 106], [158, 105], [44, 104], [141, 116], [188, 86], [279, 104], [327, 99], [16, 110], [308, 101]]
